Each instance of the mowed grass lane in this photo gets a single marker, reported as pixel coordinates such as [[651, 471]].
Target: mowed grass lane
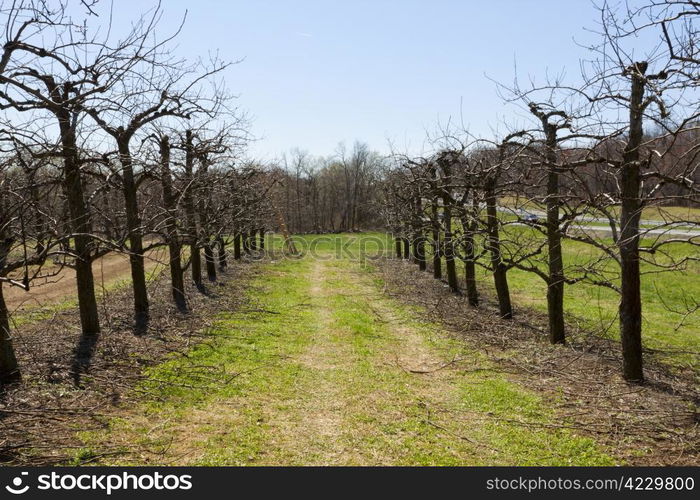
[[320, 368]]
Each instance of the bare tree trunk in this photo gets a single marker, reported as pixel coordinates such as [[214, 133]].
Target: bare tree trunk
[[353, 211], [444, 181], [196, 264], [448, 244], [555, 283], [418, 238], [406, 248], [469, 225], [40, 226], [314, 206], [628, 243], [420, 251], [251, 240], [414, 248], [261, 240], [204, 200], [397, 246], [437, 253], [221, 248], [348, 201], [177, 279], [195, 257], [498, 268], [133, 224], [209, 260], [80, 222], [288, 241], [297, 219], [237, 246], [9, 369], [246, 243], [288, 210]]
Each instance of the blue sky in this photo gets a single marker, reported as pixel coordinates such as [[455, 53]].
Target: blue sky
[[318, 72]]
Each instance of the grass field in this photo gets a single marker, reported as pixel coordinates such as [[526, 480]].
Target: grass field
[[320, 368], [316, 371], [666, 298]]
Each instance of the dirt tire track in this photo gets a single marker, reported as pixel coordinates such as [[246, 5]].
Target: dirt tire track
[[319, 409], [56, 289]]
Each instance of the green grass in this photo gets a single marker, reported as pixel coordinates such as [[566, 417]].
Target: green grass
[[510, 421], [666, 296], [245, 349], [317, 377]]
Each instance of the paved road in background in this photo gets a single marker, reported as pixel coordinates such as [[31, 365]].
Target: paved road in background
[[601, 225]]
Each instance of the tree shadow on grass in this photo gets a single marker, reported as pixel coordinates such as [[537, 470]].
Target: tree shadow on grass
[[82, 356], [141, 321]]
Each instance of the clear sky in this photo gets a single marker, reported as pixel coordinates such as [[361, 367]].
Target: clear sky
[[318, 72]]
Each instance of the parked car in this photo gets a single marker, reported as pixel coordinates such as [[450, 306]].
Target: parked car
[[530, 217]]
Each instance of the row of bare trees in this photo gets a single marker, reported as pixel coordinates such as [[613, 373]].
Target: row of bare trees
[[333, 194], [604, 163], [113, 144]]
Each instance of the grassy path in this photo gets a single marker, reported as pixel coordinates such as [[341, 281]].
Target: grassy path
[[324, 369]]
